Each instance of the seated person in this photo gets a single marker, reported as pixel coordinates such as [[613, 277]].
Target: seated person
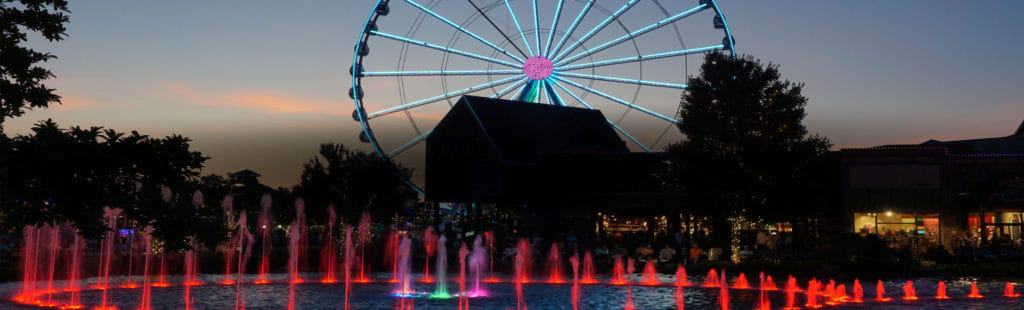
[[667, 254]]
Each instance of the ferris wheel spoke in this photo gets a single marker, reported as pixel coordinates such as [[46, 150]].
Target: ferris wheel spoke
[[501, 32], [430, 100], [616, 127], [536, 28], [410, 144], [522, 34], [629, 59], [639, 32], [617, 100], [438, 73], [442, 48], [554, 28], [624, 80], [549, 89], [572, 27], [509, 88], [462, 29], [604, 23]]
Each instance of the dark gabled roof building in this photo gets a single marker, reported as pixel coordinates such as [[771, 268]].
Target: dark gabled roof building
[[941, 191], [509, 152]]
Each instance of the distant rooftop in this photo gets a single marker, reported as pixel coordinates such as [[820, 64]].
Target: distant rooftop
[[1011, 145]]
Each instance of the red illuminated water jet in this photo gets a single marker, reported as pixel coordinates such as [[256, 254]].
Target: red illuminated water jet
[[521, 269], [328, 253], [650, 275], [711, 280], [768, 284], [839, 296], [364, 242], [229, 250], [791, 289], [629, 298], [940, 291], [589, 274], [489, 239], [618, 271], [974, 291], [391, 254], [681, 278], [145, 302], [880, 293], [72, 284], [347, 266], [858, 292], [554, 265], [107, 253], [723, 292], [265, 226], [763, 302], [909, 292], [524, 251], [681, 281], [1008, 291], [812, 294], [574, 263], [741, 282], [429, 247]]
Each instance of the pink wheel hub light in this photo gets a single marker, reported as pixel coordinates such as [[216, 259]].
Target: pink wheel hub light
[[538, 68]]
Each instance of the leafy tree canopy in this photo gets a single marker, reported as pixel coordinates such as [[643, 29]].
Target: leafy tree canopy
[[72, 174], [746, 148], [21, 77], [354, 181]]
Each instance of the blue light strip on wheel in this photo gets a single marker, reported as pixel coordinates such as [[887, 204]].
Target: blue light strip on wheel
[[641, 58], [507, 89], [595, 30], [554, 28], [639, 32], [512, 13], [462, 29], [441, 97], [442, 48], [552, 94], [623, 80], [439, 73], [572, 27], [536, 28], [617, 100], [616, 127]]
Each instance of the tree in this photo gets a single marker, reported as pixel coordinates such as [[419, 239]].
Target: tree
[[354, 181], [21, 79], [746, 150], [72, 174]]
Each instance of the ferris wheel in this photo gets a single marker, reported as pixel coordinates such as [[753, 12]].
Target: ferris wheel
[[414, 59]]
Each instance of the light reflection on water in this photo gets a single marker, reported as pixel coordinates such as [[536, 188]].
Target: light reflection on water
[[537, 296]]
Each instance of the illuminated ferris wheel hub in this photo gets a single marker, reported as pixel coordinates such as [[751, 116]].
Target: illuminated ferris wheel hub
[[538, 68]]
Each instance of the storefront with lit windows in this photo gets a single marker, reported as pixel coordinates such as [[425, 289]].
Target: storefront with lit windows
[[921, 225], [948, 193], [998, 225]]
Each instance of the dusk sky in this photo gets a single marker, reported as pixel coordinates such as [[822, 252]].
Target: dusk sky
[[260, 84]]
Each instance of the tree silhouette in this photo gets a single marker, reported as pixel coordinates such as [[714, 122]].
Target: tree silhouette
[[354, 181], [55, 175], [21, 78], [746, 150]]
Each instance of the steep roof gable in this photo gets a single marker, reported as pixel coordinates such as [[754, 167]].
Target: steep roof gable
[[1020, 130], [519, 130]]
